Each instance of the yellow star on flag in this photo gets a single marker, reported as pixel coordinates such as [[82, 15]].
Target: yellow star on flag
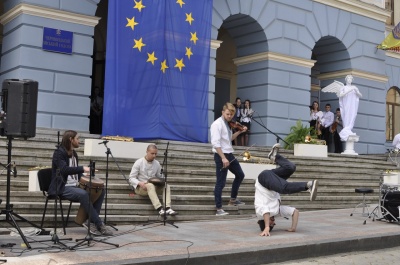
[[151, 58], [179, 64], [164, 66], [180, 2], [131, 23], [139, 44], [139, 5], [189, 18], [188, 52], [194, 37]]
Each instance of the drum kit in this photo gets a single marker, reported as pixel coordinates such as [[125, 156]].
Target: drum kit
[[388, 208]]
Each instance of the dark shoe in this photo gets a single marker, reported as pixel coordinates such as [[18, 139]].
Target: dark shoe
[[261, 223], [235, 202], [313, 190], [274, 151], [105, 231]]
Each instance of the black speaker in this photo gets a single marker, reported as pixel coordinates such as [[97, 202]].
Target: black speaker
[[20, 107]]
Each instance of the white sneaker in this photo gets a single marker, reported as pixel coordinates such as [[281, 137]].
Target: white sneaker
[[171, 212], [273, 152]]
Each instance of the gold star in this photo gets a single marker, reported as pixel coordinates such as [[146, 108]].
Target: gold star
[[139, 5], [151, 58], [180, 2], [188, 52], [164, 66], [131, 23], [139, 44], [194, 37], [179, 64], [189, 18]]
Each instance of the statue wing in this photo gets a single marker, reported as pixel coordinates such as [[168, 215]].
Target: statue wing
[[333, 88]]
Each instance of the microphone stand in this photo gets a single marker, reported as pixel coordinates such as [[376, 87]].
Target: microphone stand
[[108, 152], [9, 207], [262, 125], [165, 190], [89, 237]]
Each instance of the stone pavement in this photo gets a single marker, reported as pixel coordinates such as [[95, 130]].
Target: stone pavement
[[227, 241], [373, 257]]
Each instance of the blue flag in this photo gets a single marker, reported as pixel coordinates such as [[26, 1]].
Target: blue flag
[[157, 68]]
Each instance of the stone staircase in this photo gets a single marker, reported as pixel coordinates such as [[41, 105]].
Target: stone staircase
[[191, 174]]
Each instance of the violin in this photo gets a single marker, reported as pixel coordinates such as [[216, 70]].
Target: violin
[[236, 125]]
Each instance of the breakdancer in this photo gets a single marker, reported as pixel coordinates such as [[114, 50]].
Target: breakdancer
[[270, 184]]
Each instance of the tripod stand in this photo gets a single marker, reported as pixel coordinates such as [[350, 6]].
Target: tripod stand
[[108, 153], [89, 237], [8, 211], [380, 212], [165, 162]]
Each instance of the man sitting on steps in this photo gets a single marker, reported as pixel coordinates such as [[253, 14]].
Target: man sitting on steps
[[270, 184], [142, 171]]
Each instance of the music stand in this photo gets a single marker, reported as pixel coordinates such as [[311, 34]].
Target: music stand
[[165, 162], [89, 237], [379, 212], [8, 211], [108, 153]]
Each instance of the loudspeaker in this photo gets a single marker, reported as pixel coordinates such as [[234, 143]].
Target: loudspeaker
[[20, 107]]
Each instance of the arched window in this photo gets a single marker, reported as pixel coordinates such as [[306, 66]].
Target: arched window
[[392, 113]]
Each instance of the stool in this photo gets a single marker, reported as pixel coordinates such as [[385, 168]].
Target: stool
[[363, 204]]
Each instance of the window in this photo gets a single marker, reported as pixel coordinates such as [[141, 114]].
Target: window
[[392, 113]]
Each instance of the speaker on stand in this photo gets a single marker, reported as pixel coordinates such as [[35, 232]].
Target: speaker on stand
[[17, 119]]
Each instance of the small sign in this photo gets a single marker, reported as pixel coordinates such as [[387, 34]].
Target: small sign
[[56, 40]]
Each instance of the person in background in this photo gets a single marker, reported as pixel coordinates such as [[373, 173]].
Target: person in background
[[221, 140], [236, 118], [335, 130], [315, 115], [245, 119], [96, 112], [325, 122]]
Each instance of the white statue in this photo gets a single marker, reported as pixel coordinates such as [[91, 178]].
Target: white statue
[[349, 97]]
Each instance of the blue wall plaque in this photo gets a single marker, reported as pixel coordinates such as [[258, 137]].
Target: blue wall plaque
[[57, 40]]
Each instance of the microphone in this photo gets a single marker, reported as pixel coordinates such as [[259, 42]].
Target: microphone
[[14, 170], [103, 142]]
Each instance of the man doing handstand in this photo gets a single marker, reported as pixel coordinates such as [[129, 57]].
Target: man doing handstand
[[270, 184]]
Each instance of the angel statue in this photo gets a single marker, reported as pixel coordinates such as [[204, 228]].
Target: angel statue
[[349, 97]]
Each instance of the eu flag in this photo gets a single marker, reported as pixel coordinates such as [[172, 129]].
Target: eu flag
[[157, 68]]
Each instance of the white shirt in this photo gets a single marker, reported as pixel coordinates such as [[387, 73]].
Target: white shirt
[[142, 170], [396, 141], [269, 201], [72, 180], [327, 119], [221, 136]]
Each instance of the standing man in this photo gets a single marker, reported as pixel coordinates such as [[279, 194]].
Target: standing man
[[326, 121], [221, 140], [65, 181], [270, 184], [336, 127], [142, 170]]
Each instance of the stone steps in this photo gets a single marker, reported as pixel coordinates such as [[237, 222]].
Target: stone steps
[[191, 175]]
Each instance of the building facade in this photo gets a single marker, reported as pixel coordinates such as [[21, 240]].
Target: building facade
[[276, 53]]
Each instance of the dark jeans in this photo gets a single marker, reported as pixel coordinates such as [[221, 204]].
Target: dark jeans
[[77, 194], [235, 168], [276, 179]]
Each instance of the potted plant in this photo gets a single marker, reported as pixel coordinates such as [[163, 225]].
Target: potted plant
[[303, 141]]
